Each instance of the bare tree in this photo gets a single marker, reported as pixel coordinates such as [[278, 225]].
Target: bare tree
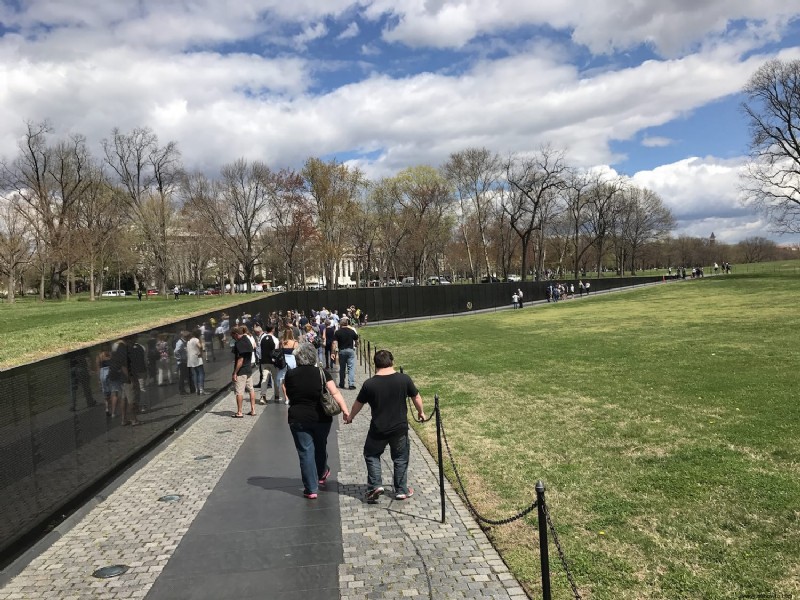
[[292, 230], [424, 200], [474, 174], [49, 180], [333, 188], [534, 181], [99, 220], [148, 176], [236, 209], [757, 249], [772, 178], [603, 212], [578, 185], [16, 243], [643, 218]]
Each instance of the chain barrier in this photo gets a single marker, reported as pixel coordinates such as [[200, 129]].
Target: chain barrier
[[562, 557], [545, 523], [472, 509]]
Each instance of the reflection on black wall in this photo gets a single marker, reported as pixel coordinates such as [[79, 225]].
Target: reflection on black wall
[[56, 438]]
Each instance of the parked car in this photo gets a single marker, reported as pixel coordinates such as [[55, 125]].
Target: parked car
[[195, 292], [409, 281], [113, 294], [392, 281], [514, 278], [152, 292], [490, 279], [213, 292], [438, 280]]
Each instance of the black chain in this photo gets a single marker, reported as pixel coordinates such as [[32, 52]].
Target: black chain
[[414, 417], [561, 555], [472, 509]]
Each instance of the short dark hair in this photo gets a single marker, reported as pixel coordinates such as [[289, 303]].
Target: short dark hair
[[383, 359]]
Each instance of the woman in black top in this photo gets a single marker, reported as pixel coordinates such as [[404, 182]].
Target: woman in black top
[[310, 426]]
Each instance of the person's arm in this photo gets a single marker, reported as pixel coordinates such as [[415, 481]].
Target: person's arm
[[283, 387], [357, 406], [417, 400], [339, 399], [237, 365]]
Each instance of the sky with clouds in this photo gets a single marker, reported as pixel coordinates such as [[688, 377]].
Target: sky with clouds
[[649, 90]]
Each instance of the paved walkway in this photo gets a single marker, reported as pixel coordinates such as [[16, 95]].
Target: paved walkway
[[241, 528]]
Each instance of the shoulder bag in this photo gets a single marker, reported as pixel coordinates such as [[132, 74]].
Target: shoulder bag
[[329, 404]]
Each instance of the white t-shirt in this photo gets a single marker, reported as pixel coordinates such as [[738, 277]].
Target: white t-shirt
[[194, 353]]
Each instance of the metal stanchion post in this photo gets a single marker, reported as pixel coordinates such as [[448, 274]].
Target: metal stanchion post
[[543, 551], [439, 450]]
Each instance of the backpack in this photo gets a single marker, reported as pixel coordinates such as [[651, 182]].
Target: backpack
[[278, 358], [258, 347]]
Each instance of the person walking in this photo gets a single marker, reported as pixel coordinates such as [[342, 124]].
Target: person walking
[[288, 345], [243, 369], [386, 394], [194, 360], [177, 291], [269, 343], [345, 339], [308, 422], [181, 356]]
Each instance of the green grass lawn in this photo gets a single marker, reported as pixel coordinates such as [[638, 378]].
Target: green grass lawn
[[664, 422], [32, 329]]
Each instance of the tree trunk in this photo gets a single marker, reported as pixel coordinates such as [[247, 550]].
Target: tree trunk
[[11, 285]]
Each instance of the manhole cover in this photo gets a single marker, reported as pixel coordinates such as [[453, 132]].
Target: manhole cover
[[170, 498], [203, 457], [111, 571]]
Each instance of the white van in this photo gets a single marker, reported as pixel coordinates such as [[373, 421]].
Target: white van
[[408, 281], [113, 293]]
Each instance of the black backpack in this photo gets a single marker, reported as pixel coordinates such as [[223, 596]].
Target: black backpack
[[278, 358]]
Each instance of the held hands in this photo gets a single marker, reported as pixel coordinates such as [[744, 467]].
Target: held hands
[[347, 418]]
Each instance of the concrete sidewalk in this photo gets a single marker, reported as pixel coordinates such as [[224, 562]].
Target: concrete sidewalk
[[242, 529]]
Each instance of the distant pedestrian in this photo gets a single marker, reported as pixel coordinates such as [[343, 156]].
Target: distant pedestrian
[[519, 296], [177, 291], [345, 340], [514, 300], [386, 394], [243, 370], [139, 294]]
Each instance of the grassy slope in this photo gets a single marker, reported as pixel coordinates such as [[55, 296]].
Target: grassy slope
[[32, 330], [663, 421]]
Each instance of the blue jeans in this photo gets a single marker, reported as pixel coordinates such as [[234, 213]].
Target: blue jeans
[[311, 441], [199, 377], [278, 382], [400, 448], [349, 355]]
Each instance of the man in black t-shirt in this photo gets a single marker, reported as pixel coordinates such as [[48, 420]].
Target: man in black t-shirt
[[386, 394], [345, 339], [243, 369]]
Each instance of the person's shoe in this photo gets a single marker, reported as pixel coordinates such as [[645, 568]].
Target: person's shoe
[[257, 385], [287, 402], [342, 386], [310, 495], [374, 494], [352, 387], [402, 496], [262, 400], [324, 477]]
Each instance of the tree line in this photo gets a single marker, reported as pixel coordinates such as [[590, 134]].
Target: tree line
[[70, 219]]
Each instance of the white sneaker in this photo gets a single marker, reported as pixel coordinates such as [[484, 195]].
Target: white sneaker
[[287, 402]]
